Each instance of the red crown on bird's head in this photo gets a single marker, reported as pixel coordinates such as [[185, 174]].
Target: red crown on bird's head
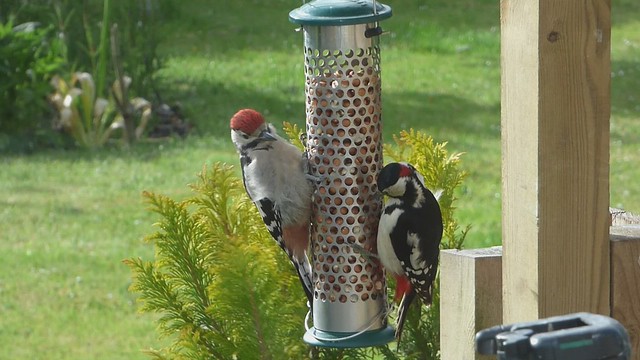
[[405, 170], [246, 120]]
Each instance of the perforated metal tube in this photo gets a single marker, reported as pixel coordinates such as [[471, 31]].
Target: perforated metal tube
[[344, 124]]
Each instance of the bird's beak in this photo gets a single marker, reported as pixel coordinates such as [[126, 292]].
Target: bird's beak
[[266, 135]]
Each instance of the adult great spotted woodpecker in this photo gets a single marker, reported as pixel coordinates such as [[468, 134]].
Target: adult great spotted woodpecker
[[409, 235], [274, 173]]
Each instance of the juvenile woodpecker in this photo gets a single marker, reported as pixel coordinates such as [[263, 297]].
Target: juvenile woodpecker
[[274, 173], [409, 235]]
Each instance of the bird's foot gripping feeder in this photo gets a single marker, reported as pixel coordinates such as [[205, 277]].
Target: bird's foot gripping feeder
[[344, 141]]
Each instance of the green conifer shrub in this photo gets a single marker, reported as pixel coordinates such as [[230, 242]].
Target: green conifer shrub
[[224, 290], [222, 287]]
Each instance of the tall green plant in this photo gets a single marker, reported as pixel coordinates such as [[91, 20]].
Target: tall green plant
[[224, 290], [100, 70], [87, 117], [92, 120]]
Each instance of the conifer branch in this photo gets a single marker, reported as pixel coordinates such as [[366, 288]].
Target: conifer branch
[[264, 351]]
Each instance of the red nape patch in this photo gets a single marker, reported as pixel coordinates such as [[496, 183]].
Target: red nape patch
[[402, 286], [405, 170], [246, 120]]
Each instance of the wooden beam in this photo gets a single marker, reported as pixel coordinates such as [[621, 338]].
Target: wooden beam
[[555, 145], [470, 299], [625, 280], [623, 217]]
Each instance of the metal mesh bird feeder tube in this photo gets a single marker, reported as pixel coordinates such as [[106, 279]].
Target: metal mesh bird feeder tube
[[344, 139]]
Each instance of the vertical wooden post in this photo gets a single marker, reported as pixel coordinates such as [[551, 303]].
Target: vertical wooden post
[[470, 299], [555, 147]]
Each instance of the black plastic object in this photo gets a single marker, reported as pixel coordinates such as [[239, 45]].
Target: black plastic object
[[580, 336]]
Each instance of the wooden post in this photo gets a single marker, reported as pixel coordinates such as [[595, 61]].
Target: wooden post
[[470, 299], [555, 147], [625, 280]]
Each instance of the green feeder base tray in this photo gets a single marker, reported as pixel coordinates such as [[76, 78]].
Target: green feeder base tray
[[316, 337]]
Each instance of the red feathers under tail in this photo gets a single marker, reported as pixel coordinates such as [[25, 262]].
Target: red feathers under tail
[[402, 286]]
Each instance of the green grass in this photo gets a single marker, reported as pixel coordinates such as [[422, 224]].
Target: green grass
[[68, 218]]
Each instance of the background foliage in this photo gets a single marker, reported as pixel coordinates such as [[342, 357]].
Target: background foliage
[[79, 24], [29, 57], [70, 36]]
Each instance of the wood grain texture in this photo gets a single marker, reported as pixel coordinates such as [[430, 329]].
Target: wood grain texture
[[519, 113], [555, 144], [625, 280], [470, 299]]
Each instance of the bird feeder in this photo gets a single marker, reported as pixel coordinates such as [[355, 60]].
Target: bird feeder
[[344, 142]]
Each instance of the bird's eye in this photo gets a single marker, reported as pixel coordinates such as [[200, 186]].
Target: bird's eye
[[245, 136]]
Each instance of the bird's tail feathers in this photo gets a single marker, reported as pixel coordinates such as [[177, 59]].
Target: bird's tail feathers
[[407, 299], [303, 268]]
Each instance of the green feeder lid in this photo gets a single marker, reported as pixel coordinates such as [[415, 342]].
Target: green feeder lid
[[339, 12]]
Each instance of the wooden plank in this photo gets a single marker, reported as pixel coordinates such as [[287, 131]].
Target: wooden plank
[[555, 145], [470, 293], [519, 113], [623, 217], [625, 280]]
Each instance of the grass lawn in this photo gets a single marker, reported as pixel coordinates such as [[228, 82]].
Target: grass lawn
[[68, 218]]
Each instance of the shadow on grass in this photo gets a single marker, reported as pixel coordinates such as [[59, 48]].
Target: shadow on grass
[[401, 110], [220, 101], [445, 113], [263, 25]]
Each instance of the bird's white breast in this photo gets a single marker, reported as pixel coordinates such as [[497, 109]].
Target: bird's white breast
[[385, 247], [278, 174]]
